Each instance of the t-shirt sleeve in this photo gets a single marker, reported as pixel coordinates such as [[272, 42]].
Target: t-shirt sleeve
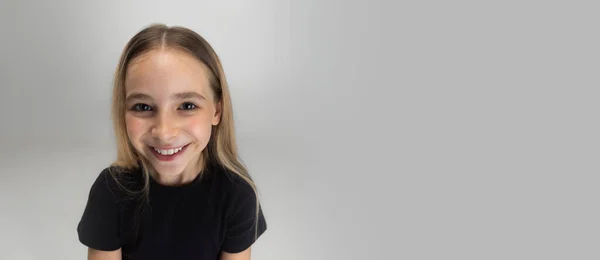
[[243, 229], [99, 226]]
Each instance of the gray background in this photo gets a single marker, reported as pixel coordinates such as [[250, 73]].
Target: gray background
[[375, 130]]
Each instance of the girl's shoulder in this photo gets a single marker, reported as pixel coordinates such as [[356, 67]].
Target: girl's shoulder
[[99, 225], [242, 211], [231, 182], [117, 183]]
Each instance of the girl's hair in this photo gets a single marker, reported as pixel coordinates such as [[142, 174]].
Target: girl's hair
[[222, 148]]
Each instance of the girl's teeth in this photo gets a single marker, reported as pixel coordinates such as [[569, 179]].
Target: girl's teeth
[[168, 152]]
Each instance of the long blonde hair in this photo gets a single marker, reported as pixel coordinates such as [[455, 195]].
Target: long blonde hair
[[222, 148]]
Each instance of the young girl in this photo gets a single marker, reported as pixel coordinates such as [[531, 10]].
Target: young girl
[[177, 189]]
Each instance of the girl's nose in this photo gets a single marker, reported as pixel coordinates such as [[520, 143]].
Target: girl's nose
[[164, 129]]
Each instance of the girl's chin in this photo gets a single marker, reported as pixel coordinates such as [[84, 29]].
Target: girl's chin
[[176, 168]]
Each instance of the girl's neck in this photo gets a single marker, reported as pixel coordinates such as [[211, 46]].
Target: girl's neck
[[188, 175]]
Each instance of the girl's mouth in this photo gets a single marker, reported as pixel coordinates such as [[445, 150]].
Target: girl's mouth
[[168, 154]]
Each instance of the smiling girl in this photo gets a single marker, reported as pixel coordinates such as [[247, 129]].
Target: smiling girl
[[177, 189]]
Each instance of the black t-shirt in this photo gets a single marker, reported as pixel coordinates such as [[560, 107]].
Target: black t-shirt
[[214, 213]]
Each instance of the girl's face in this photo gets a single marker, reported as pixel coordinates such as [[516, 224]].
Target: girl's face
[[170, 110]]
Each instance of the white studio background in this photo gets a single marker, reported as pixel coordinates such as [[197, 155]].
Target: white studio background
[[374, 129]]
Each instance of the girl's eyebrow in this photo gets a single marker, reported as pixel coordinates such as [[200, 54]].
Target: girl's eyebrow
[[183, 95], [186, 95], [137, 95]]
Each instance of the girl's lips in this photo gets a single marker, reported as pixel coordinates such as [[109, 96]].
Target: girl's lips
[[169, 154]]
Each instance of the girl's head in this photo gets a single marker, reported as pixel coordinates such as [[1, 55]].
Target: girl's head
[[171, 107]]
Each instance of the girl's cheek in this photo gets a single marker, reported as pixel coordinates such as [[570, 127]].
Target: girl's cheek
[[199, 124], [135, 127]]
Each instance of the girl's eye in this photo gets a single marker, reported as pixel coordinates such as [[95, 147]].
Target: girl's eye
[[142, 107], [188, 106]]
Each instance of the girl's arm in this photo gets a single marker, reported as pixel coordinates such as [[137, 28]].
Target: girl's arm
[[94, 254], [244, 255]]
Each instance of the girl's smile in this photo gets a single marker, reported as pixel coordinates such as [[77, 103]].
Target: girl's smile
[[168, 154]]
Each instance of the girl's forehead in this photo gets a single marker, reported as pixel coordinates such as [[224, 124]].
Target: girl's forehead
[[165, 71]]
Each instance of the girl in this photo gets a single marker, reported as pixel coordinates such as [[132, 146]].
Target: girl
[[177, 189]]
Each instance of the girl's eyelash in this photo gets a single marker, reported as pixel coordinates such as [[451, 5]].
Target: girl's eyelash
[[141, 107], [188, 106]]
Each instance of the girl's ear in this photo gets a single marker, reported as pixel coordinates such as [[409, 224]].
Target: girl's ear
[[218, 111]]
